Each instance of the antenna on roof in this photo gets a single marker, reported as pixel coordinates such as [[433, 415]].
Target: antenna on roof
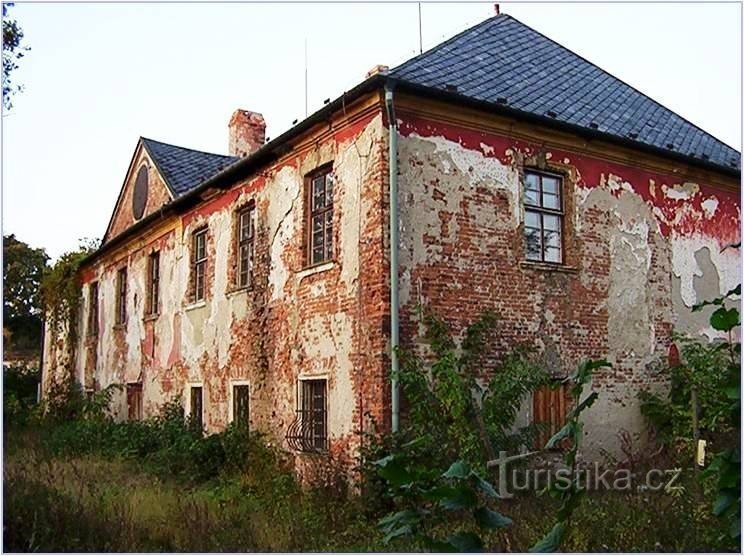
[[496, 9], [421, 42], [306, 77]]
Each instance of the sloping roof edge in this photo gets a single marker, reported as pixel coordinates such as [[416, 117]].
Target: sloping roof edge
[[275, 147]]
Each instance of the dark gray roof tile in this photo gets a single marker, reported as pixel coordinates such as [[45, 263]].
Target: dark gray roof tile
[[184, 169], [502, 57]]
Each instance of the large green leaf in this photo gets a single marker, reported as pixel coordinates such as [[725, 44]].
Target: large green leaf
[[458, 470], [484, 486], [723, 503], [552, 541], [466, 542], [724, 319], [461, 497], [488, 519], [565, 432], [395, 473]]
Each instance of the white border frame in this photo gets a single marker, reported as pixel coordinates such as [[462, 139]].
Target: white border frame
[[187, 400], [230, 402]]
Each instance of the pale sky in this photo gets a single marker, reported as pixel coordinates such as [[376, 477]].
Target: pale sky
[[100, 75]]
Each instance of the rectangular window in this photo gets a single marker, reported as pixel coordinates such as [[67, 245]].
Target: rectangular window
[[551, 405], [93, 309], [246, 233], [199, 269], [121, 296], [309, 431], [320, 217], [241, 405], [543, 217], [134, 401], [153, 283], [196, 407]]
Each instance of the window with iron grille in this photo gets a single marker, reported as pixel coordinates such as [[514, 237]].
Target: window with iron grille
[[551, 404], [320, 217], [543, 217], [246, 232], [93, 309], [199, 265], [153, 283], [196, 407], [134, 401], [241, 405], [309, 431], [121, 296]]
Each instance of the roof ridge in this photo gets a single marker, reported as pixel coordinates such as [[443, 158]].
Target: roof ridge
[[147, 139], [451, 39], [621, 81]]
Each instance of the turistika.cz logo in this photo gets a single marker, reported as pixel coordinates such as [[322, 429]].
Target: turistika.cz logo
[[590, 478]]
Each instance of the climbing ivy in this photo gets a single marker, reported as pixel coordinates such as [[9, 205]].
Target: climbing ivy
[[61, 291]]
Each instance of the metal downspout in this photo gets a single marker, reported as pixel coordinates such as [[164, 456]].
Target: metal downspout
[[394, 328]]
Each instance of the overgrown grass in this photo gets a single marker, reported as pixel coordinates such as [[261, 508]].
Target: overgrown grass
[[55, 500]]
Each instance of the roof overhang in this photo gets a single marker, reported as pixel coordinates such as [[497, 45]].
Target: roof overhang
[[277, 147]]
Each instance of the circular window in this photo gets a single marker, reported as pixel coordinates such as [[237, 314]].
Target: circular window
[[139, 199]]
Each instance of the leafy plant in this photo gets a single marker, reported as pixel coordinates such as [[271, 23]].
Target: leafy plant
[[725, 468], [428, 499], [455, 404], [572, 432]]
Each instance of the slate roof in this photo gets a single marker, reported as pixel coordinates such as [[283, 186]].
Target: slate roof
[[505, 62], [184, 169]]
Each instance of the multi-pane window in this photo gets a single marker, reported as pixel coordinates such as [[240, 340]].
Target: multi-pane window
[[199, 265], [121, 296], [309, 431], [246, 233], [543, 217], [134, 401], [241, 405], [93, 309], [320, 217], [153, 283], [196, 407]]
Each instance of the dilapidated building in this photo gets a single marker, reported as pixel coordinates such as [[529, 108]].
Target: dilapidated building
[[257, 286]]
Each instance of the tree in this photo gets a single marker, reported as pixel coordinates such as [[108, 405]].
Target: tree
[[12, 52], [22, 272]]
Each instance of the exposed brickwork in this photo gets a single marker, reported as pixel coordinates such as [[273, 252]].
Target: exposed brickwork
[[638, 245], [462, 252]]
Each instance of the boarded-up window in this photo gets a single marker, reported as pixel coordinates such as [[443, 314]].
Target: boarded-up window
[[134, 401], [121, 296], [246, 233], [93, 309], [551, 404], [320, 217], [153, 283], [196, 407], [199, 265], [309, 431], [543, 217], [241, 405]]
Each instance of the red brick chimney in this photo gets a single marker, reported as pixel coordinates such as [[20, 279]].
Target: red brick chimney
[[247, 132]]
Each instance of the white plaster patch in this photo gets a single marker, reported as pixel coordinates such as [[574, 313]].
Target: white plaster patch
[[281, 221], [709, 206], [681, 192], [686, 268], [480, 168]]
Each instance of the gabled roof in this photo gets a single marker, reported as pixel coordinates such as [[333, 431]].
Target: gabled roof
[[184, 169], [504, 62]]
